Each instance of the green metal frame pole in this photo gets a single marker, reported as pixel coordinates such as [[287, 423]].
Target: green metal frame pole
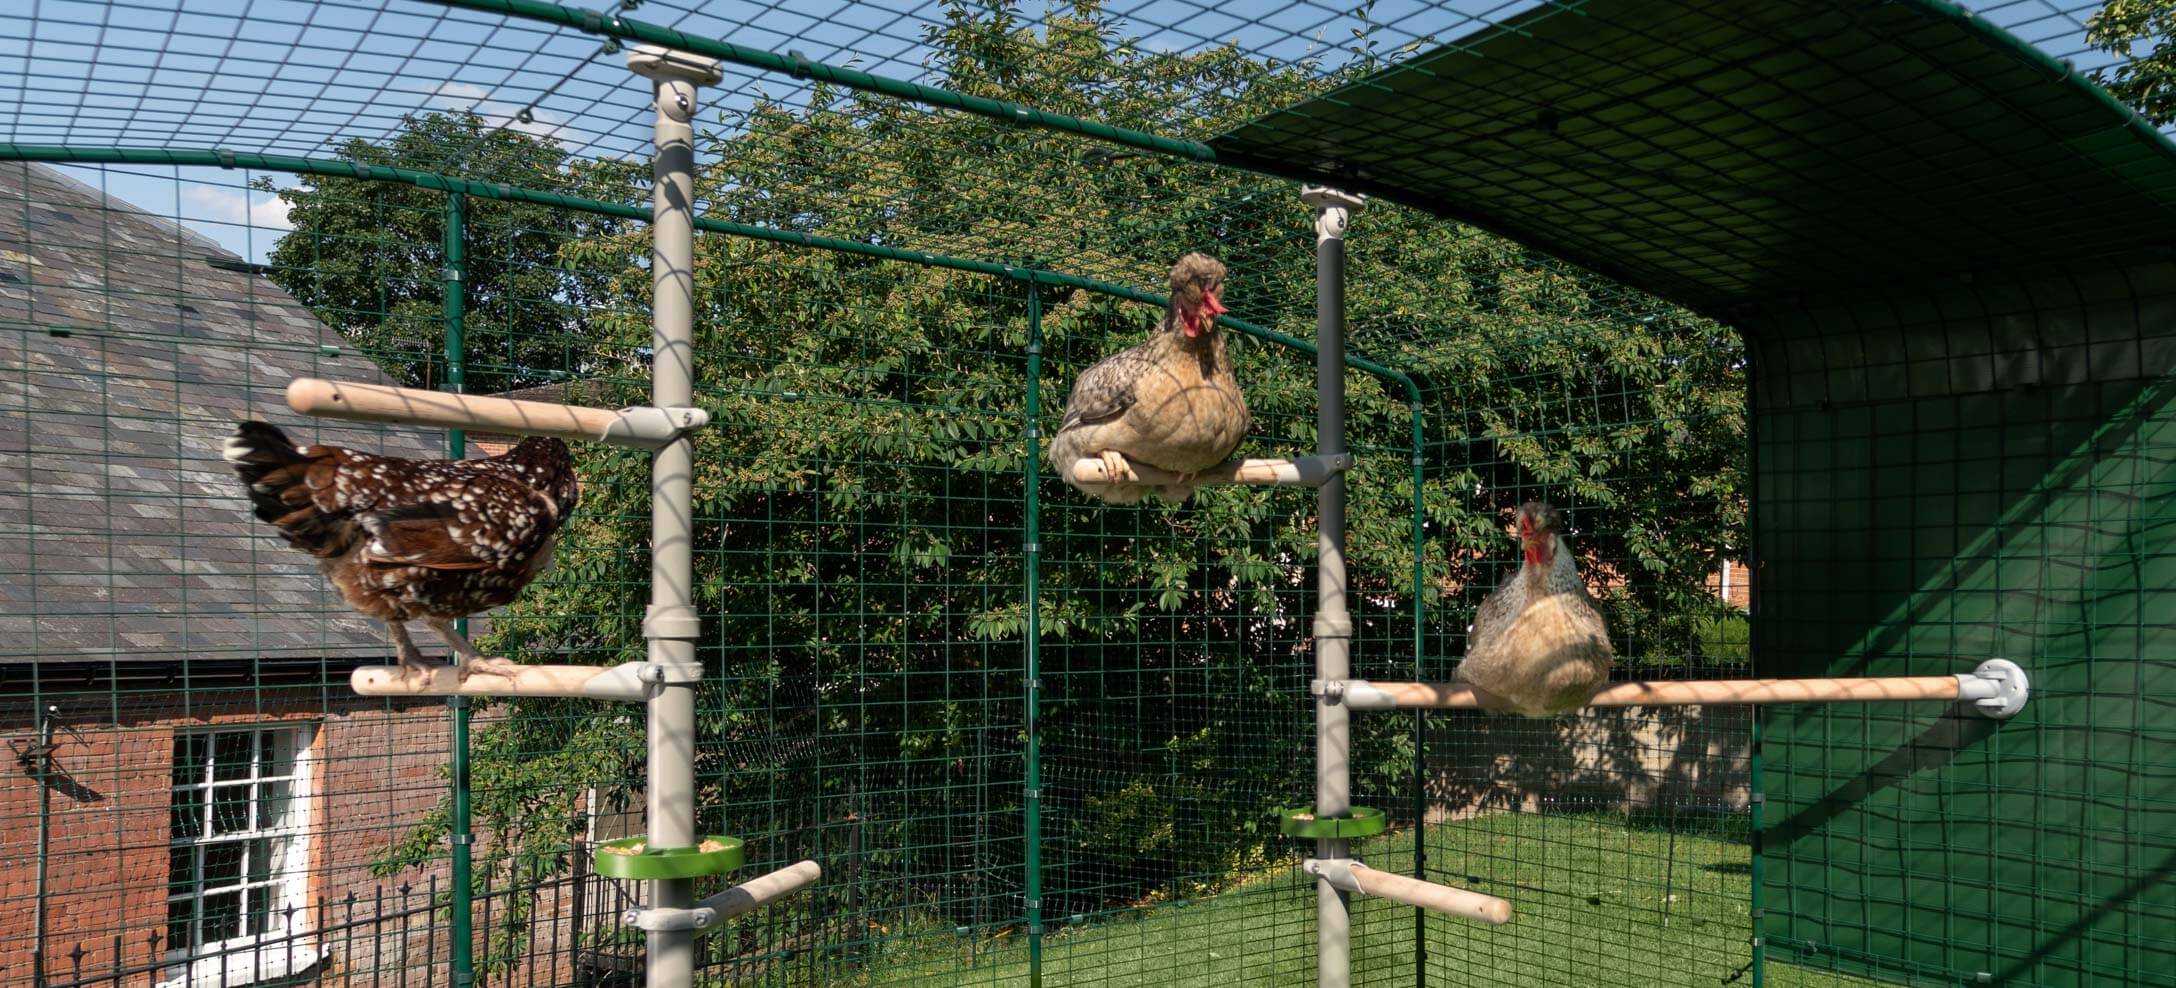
[[1420, 717], [457, 707], [1758, 798], [672, 625], [1031, 558], [1333, 623], [45, 714]]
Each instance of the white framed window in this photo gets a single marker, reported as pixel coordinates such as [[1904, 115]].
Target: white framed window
[[238, 857]]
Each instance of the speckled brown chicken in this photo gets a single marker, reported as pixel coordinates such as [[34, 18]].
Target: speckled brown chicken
[[404, 540], [1170, 402], [1538, 645]]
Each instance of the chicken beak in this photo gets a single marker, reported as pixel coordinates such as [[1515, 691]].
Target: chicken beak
[[1211, 306]]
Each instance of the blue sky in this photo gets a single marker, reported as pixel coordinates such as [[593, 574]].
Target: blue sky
[[291, 76]]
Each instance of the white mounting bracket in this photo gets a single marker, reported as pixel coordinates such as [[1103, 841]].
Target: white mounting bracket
[[662, 919], [667, 65], [1334, 209], [1324, 197], [1359, 694], [1336, 871], [635, 682], [1998, 688]]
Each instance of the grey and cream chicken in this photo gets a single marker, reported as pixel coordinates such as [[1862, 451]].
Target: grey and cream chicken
[[1170, 402], [1538, 645]]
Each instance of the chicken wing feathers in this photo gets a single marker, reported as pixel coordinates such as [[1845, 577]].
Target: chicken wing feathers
[[1106, 390]]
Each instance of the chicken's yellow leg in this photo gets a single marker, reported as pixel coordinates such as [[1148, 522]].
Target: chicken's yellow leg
[[415, 670], [472, 661]]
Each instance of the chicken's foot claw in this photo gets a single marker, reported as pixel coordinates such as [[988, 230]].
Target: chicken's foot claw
[[1115, 467], [488, 666], [417, 675]]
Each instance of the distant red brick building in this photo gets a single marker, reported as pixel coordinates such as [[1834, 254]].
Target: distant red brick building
[[1732, 583]]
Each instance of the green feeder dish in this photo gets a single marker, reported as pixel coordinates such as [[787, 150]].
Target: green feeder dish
[[1365, 821], [618, 859]]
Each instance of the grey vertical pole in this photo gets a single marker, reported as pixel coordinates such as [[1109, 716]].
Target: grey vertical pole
[[1333, 623], [671, 625]]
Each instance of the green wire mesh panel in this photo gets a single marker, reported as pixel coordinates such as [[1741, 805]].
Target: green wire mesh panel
[[1998, 457]]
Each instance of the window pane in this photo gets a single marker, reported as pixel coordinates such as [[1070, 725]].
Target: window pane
[[264, 910], [260, 861], [179, 914], [230, 809], [222, 916], [180, 870], [188, 759], [276, 753], [273, 803], [187, 815], [231, 754], [222, 864]]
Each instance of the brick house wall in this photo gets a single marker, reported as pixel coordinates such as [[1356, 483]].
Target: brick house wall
[[375, 773], [1733, 582]]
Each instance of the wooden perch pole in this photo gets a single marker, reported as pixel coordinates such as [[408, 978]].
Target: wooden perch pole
[[641, 426], [1462, 903], [1304, 471], [1352, 875], [444, 681], [629, 681], [762, 890], [1998, 688]]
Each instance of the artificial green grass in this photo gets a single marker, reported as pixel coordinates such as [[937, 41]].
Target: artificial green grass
[[1599, 899]]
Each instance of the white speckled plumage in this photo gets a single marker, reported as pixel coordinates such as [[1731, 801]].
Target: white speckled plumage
[[408, 539]]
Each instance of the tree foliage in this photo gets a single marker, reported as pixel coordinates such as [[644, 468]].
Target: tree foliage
[[2144, 33], [368, 257]]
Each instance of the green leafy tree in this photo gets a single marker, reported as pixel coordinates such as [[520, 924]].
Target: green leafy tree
[[2144, 33], [367, 257]]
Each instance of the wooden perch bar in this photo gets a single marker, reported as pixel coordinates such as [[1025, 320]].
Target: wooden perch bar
[[641, 426], [1304, 471], [1691, 692], [761, 891], [1353, 876], [1998, 688], [1462, 903], [444, 681]]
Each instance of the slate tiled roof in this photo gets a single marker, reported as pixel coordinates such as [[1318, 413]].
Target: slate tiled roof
[[125, 359]]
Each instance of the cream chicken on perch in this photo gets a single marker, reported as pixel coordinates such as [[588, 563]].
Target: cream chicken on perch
[[1170, 402], [1538, 645], [405, 540]]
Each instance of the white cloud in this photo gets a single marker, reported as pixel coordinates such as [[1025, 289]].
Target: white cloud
[[477, 99], [236, 207]]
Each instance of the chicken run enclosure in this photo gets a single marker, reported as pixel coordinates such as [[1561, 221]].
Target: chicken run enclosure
[[1843, 333]]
